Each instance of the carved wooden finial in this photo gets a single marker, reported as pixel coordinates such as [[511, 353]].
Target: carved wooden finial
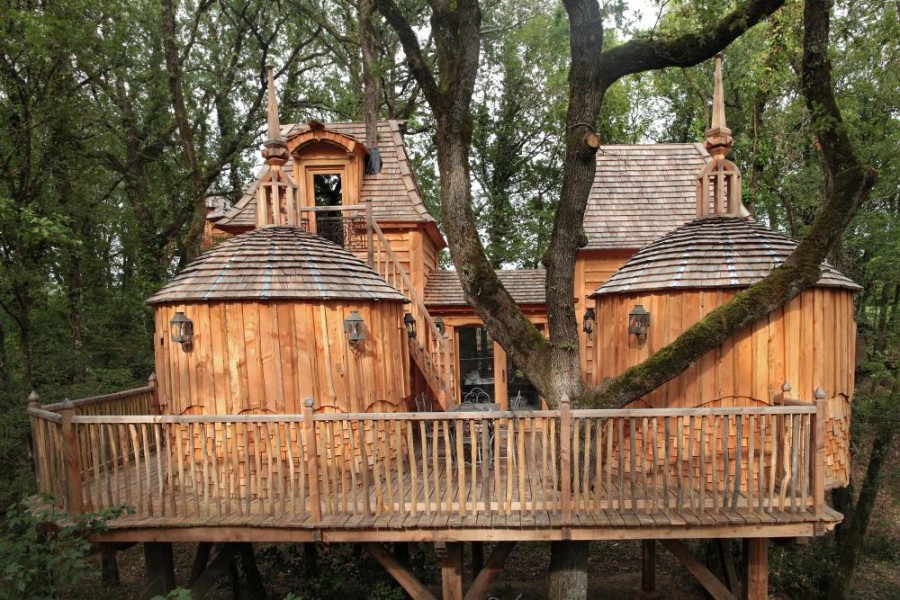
[[820, 393], [33, 398], [786, 387], [719, 183], [275, 151], [718, 136]]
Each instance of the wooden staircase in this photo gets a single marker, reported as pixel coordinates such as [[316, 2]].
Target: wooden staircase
[[429, 350]]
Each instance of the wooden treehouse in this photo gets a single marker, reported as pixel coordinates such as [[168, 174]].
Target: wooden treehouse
[[320, 379]]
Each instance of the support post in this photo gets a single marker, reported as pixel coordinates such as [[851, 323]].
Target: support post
[[74, 501], [818, 443], [648, 569], [201, 561], [398, 571], [312, 462], [370, 235], [756, 565], [160, 568], [565, 459], [153, 383], [109, 565], [451, 572], [34, 401], [483, 578]]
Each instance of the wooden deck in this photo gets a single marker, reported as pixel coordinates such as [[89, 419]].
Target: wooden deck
[[660, 473]]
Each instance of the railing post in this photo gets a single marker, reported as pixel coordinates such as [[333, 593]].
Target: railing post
[[153, 383], [370, 237], [565, 458], [74, 501], [818, 443], [312, 460], [34, 401]]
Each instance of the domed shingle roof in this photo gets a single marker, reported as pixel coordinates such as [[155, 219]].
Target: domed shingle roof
[[716, 252], [276, 263]]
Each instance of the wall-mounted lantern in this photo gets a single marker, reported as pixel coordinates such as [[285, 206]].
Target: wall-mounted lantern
[[355, 329], [587, 322], [439, 324], [182, 331], [410, 322], [639, 322]]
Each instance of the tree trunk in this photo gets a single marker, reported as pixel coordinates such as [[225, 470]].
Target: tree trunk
[[568, 570], [371, 82]]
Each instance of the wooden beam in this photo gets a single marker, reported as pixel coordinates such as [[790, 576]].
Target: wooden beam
[[201, 560], [399, 572], [218, 567], [451, 572], [756, 569], [728, 567], [494, 565], [160, 567], [696, 568], [255, 585], [648, 569]]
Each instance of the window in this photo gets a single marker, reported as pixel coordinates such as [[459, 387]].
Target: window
[[476, 363], [328, 191]]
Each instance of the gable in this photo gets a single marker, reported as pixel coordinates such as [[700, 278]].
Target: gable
[[394, 193]]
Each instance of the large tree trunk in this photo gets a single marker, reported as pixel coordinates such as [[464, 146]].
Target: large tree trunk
[[568, 570]]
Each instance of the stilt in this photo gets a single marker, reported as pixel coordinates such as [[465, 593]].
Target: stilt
[[109, 565], [731, 577], [648, 569], [221, 564], [160, 568], [451, 572], [201, 560], [756, 565], [255, 585], [484, 576], [399, 572], [477, 558]]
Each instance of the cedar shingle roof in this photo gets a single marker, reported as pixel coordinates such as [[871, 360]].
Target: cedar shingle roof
[[526, 286], [394, 192], [276, 263], [717, 252], [642, 192]]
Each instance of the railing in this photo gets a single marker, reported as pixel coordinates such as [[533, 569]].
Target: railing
[[606, 465], [352, 231], [61, 451], [431, 349]]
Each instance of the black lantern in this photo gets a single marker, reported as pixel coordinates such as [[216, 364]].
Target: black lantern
[[639, 322], [410, 322], [439, 324], [182, 330], [354, 329], [587, 322]]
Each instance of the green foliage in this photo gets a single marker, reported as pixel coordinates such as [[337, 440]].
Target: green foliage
[[41, 556]]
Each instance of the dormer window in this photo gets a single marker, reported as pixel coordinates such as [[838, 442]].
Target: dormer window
[[327, 189]]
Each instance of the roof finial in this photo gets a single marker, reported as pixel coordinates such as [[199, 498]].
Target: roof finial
[[719, 183], [718, 136], [275, 151]]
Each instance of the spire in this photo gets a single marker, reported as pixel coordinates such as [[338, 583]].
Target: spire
[[276, 195], [718, 136], [719, 183], [275, 151]]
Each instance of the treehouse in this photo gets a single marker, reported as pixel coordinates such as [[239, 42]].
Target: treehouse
[[320, 379]]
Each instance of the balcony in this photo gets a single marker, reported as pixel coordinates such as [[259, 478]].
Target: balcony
[[561, 474]]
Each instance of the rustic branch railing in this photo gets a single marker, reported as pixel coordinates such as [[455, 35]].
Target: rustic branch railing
[[608, 465], [431, 349]]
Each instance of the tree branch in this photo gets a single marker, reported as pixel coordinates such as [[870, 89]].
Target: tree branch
[[639, 55], [414, 56]]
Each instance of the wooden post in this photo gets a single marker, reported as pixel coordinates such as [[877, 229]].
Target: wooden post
[[160, 568], [109, 565], [756, 563], [312, 460], [74, 501], [451, 572], [648, 569], [370, 237], [34, 401], [153, 383], [565, 458], [818, 443]]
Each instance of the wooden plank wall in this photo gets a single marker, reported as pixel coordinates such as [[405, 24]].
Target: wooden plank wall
[[591, 269], [266, 357], [809, 343]]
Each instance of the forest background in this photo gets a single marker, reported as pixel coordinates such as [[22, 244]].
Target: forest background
[[121, 120]]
